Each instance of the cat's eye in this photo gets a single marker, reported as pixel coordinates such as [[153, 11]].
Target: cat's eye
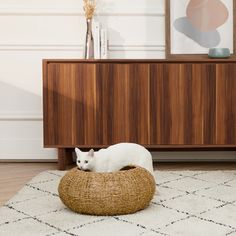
[[86, 162], [78, 161]]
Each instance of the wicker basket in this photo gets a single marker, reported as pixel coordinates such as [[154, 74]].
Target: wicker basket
[[122, 192]]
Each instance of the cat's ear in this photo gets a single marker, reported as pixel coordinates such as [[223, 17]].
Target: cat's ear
[[78, 152], [91, 153]]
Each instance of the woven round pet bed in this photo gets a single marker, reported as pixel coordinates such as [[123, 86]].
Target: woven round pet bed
[[122, 192]]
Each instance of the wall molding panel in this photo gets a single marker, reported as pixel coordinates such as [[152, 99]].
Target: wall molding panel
[[40, 47], [149, 11], [33, 30], [75, 47], [21, 116], [25, 149], [159, 48]]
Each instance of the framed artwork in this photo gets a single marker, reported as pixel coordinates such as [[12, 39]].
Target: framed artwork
[[195, 26]]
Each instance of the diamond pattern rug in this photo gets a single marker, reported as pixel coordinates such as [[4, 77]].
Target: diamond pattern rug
[[187, 203]]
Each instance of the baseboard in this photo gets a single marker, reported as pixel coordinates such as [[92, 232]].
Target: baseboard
[[28, 161], [191, 156], [194, 161]]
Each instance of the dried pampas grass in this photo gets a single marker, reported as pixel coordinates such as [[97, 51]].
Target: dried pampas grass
[[89, 8]]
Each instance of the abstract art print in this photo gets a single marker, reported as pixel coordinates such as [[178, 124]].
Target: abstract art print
[[195, 26]]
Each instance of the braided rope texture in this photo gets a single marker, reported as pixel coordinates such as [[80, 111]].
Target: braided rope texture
[[116, 193]]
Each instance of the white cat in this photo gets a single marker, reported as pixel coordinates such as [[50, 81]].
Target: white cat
[[114, 158]]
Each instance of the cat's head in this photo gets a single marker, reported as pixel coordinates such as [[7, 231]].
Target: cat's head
[[84, 160]]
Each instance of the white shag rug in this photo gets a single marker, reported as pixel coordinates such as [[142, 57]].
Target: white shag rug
[[201, 203]]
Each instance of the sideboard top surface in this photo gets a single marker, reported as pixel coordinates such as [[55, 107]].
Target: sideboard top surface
[[179, 60]]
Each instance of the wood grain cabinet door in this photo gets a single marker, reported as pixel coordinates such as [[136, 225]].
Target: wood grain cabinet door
[[183, 104], [72, 105], [226, 104], [125, 102], [98, 104]]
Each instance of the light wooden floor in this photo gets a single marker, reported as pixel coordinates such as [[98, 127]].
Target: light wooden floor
[[13, 176]]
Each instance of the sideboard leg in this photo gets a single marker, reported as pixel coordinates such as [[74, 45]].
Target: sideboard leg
[[69, 156], [64, 158]]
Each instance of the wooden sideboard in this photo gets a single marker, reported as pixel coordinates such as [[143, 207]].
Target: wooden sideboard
[[161, 104]]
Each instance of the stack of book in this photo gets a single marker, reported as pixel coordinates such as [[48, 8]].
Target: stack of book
[[100, 41]]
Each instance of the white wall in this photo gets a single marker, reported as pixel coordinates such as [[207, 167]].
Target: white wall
[[32, 30], [35, 29]]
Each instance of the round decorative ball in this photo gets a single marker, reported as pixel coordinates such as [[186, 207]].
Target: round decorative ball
[[116, 193]]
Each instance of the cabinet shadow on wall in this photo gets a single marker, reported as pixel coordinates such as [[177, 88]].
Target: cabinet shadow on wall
[[20, 102]]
